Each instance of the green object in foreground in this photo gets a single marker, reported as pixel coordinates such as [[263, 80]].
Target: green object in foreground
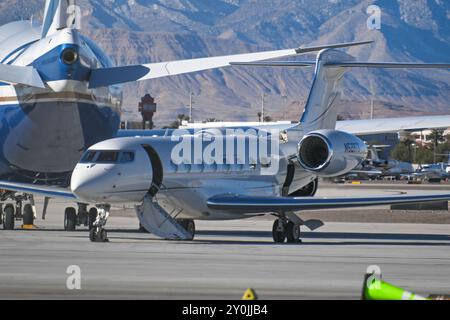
[[376, 289]]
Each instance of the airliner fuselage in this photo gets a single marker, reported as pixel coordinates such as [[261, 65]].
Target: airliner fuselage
[[44, 131]]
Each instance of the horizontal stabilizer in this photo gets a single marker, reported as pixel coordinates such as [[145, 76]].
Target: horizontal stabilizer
[[331, 46], [108, 76], [276, 64], [256, 204], [118, 75], [386, 65], [386, 125], [21, 75], [390, 65]]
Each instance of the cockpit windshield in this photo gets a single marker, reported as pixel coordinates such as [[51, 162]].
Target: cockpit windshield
[[107, 156], [88, 157]]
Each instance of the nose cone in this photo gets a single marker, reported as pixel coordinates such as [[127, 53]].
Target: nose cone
[[89, 183]]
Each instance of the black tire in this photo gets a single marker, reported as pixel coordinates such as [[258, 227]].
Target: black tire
[[292, 233], [70, 219], [102, 236], [8, 217], [278, 236], [92, 235], [28, 215], [92, 216]]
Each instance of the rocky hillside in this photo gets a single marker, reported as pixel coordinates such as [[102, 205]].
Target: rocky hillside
[[140, 31]]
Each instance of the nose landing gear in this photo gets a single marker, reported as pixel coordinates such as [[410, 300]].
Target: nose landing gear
[[98, 233]]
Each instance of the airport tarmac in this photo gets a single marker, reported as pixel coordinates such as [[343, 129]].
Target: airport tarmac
[[227, 257]]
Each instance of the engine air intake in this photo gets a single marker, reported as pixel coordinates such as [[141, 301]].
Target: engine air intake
[[314, 152]]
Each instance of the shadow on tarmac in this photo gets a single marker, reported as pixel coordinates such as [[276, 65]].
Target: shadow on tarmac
[[336, 238]]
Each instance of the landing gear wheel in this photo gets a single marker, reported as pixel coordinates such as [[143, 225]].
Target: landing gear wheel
[[292, 233], [70, 219], [102, 236], [98, 235], [8, 217], [92, 234], [28, 215], [92, 216], [278, 236], [83, 215]]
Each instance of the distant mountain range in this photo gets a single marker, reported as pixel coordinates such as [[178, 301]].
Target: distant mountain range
[[140, 31]]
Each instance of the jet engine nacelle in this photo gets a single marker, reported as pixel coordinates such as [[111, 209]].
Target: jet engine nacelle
[[331, 153]]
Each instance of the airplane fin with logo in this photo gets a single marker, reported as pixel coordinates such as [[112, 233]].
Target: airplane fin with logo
[[330, 67]]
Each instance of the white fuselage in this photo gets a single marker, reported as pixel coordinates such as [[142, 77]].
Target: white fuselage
[[184, 188]]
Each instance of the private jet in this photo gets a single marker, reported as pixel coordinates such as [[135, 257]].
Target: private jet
[[60, 94], [231, 172]]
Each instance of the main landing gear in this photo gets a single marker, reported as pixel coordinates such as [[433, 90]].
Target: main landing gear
[[285, 230], [11, 213], [74, 218]]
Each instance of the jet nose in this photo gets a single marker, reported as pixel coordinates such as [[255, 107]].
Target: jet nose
[[85, 185], [84, 190]]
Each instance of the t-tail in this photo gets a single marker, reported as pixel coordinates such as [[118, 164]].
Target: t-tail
[[330, 66], [320, 111]]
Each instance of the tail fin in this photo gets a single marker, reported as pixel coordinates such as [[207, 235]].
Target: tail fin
[[320, 112], [331, 65], [55, 17]]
